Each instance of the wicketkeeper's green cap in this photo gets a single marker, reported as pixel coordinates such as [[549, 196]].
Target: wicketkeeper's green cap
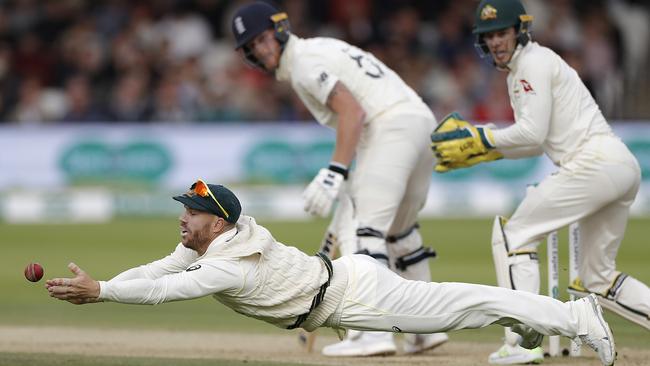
[[494, 15], [212, 198]]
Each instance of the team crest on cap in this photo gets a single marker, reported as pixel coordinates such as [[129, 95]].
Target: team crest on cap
[[239, 25], [488, 12]]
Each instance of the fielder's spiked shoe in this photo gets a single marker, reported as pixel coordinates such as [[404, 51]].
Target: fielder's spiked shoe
[[416, 343], [598, 334], [514, 355], [363, 344], [610, 303]]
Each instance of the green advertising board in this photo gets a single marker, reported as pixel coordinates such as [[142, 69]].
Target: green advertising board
[[137, 162]]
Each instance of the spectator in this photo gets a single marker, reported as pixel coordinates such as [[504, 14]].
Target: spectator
[[129, 100], [135, 47], [37, 104], [81, 105]]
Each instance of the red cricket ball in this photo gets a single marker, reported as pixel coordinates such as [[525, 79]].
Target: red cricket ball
[[34, 272]]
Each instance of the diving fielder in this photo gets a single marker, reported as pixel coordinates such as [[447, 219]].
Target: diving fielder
[[597, 180], [383, 125], [228, 256]]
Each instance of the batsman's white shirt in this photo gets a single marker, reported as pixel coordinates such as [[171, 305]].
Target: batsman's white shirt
[[362, 295], [597, 180], [314, 65], [390, 180]]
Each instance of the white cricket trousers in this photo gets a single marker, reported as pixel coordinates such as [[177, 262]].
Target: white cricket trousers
[[378, 299], [594, 188], [389, 184]]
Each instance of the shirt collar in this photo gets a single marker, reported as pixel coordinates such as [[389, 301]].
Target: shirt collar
[[222, 239], [514, 61], [283, 71]]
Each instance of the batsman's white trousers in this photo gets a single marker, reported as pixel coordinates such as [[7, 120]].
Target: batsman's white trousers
[[389, 183], [377, 299], [595, 188]]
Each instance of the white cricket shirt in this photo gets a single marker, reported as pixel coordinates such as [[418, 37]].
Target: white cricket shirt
[[244, 268], [314, 65], [553, 108]]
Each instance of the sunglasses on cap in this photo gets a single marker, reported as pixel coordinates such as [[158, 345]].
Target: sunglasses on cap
[[201, 189]]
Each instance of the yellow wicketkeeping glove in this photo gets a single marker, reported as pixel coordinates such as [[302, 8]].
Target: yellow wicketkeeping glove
[[459, 144], [492, 155]]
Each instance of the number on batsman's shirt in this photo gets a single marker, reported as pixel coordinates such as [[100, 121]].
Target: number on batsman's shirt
[[315, 65]]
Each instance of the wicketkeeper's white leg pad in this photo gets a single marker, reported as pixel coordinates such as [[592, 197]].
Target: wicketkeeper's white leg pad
[[627, 297], [500, 252], [518, 270], [524, 271]]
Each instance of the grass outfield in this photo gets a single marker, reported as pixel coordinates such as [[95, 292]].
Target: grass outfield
[[104, 250], [50, 359]]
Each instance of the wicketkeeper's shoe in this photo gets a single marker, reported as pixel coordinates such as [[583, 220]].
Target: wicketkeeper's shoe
[[364, 344], [416, 343], [598, 334], [514, 355]]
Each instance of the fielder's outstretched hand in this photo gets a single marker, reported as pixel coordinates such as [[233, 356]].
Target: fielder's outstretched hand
[[81, 289]]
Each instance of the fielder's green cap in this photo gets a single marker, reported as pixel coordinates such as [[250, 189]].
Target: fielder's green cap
[[212, 198]]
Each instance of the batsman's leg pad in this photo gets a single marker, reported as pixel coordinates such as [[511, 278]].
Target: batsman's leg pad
[[408, 256], [372, 242], [414, 265]]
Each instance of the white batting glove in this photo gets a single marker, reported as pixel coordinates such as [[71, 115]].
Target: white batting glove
[[321, 193]]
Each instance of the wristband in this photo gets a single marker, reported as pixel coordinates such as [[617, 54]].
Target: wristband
[[339, 168]]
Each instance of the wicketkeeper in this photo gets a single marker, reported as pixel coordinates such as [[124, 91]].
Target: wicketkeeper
[[596, 182], [381, 124], [239, 263]]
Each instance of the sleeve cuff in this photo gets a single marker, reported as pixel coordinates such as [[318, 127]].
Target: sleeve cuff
[[487, 137], [103, 290]]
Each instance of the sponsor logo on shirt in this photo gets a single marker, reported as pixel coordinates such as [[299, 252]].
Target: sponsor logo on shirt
[[193, 268], [526, 86], [322, 78]]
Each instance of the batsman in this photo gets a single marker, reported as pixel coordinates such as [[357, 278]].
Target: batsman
[[596, 181], [382, 125]]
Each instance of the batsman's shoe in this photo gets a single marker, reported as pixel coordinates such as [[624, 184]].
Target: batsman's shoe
[[515, 355], [416, 343], [598, 334], [365, 344]]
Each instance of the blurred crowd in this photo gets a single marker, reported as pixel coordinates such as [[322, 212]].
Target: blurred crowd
[[173, 60]]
